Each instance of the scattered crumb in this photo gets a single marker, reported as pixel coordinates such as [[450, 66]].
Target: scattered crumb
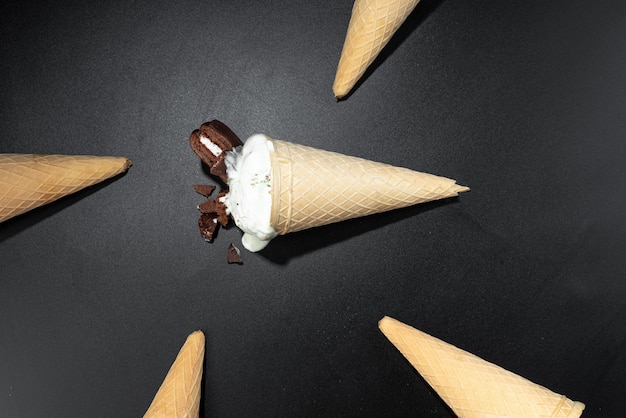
[[212, 215], [233, 255], [208, 206], [208, 225], [222, 217], [204, 189]]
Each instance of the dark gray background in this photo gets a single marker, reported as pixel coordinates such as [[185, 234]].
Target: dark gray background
[[522, 101]]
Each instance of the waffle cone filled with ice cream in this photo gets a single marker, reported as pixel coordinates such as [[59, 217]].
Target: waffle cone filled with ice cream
[[471, 386], [28, 181], [179, 394], [277, 187], [372, 24], [312, 187]]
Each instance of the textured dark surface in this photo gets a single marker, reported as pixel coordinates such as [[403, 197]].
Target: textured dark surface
[[522, 101]]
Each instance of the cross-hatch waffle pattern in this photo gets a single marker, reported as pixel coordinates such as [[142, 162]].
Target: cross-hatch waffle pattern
[[179, 395], [313, 187], [372, 24], [31, 180], [471, 386]]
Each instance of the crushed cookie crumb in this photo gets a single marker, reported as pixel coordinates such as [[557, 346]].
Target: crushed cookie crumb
[[233, 255], [204, 189]]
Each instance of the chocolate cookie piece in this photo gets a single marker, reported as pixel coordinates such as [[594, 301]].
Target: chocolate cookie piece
[[208, 225], [233, 255], [203, 189], [211, 142], [208, 206], [222, 216], [217, 207]]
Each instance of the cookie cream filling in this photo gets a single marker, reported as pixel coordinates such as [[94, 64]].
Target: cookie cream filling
[[213, 148], [249, 198]]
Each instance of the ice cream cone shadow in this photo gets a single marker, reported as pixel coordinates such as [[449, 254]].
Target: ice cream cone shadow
[[19, 223], [286, 247], [205, 398], [423, 9]]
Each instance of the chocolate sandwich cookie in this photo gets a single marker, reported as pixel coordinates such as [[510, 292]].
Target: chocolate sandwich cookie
[[211, 142]]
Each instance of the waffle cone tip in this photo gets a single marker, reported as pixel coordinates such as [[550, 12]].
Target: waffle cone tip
[[339, 92], [196, 336]]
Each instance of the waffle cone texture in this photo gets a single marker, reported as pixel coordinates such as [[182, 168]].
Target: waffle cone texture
[[471, 386], [372, 24], [313, 187], [179, 394], [28, 181]]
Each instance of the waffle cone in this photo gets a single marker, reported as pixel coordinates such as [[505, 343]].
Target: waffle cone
[[372, 24], [28, 181], [179, 394], [312, 187], [471, 386]]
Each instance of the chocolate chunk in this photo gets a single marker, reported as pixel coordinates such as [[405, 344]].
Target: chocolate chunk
[[233, 255], [222, 216], [220, 140], [208, 206], [208, 225], [204, 189], [216, 207], [219, 169]]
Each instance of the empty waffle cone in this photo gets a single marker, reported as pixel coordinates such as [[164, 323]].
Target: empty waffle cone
[[471, 386], [313, 187], [179, 394], [28, 181], [372, 24]]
